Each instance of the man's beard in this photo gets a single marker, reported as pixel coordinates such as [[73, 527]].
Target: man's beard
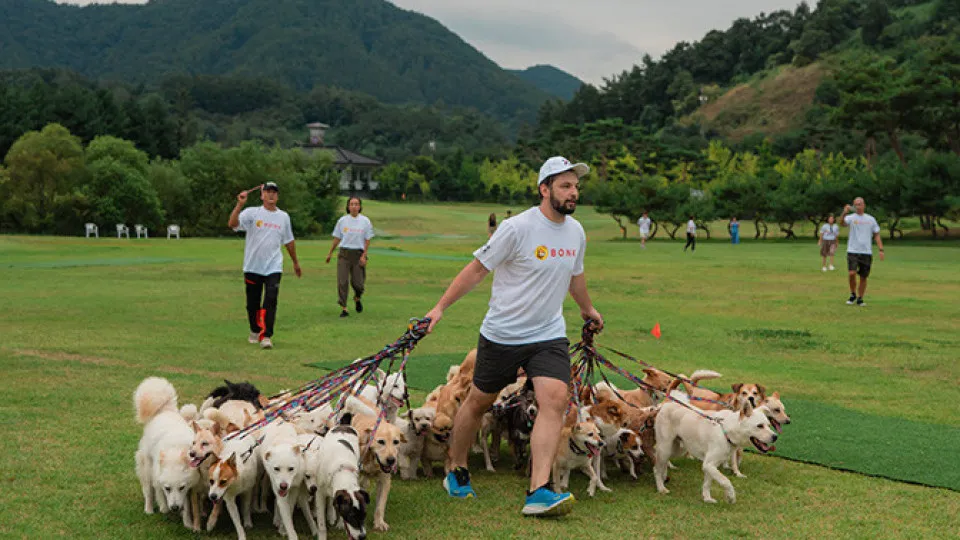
[[560, 207]]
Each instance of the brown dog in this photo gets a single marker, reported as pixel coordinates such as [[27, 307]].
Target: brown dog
[[380, 458]]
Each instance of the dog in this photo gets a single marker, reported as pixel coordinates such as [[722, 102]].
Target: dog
[[338, 494], [379, 458], [282, 457], [713, 442], [391, 395], [234, 477], [580, 445], [708, 400], [519, 413], [233, 415], [415, 426], [317, 421], [243, 391], [162, 457], [776, 414]]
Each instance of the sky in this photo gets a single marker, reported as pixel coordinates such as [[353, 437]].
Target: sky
[[591, 39]]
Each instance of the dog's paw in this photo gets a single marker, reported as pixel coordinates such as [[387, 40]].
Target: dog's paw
[[739, 474], [490, 468], [147, 510], [663, 491], [731, 497], [709, 500], [605, 488], [380, 525]]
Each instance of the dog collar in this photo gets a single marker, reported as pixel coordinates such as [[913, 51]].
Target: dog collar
[[576, 449]]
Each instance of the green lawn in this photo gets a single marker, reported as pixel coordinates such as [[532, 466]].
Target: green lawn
[[85, 320]]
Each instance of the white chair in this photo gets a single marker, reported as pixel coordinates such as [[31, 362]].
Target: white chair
[[173, 230], [122, 230], [141, 230], [91, 228]]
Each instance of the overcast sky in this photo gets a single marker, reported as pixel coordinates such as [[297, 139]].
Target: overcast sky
[[591, 39]]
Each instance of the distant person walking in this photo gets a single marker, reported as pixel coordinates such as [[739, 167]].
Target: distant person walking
[[267, 228], [863, 226], [352, 234], [644, 224], [734, 231], [491, 225], [829, 239], [691, 235]]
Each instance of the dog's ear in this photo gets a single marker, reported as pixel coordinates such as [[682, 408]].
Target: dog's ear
[[228, 383], [297, 449], [232, 460], [624, 435], [381, 374], [231, 427], [613, 409], [346, 419], [403, 439], [776, 395], [215, 429], [195, 427], [266, 457], [736, 387], [762, 390], [247, 419], [264, 402], [363, 496]]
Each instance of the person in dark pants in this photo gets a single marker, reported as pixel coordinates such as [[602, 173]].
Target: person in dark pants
[[267, 228], [863, 229], [691, 235], [352, 234]]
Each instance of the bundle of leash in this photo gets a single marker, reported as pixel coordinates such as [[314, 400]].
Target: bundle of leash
[[319, 447]]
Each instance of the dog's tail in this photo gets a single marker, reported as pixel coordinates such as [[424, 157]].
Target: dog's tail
[[189, 412], [698, 375], [154, 395]]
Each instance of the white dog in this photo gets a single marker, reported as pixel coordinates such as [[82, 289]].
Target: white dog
[[414, 432], [338, 494], [390, 395], [163, 461], [282, 458], [679, 429]]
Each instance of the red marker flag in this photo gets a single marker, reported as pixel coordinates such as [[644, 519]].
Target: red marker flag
[[656, 331]]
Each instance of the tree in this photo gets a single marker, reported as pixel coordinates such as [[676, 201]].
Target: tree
[[876, 17], [41, 166], [117, 185]]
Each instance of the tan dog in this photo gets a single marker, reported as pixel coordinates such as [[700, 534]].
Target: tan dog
[[776, 414], [579, 447], [379, 458]]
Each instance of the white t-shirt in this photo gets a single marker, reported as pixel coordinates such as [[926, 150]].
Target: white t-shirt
[[353, 232], [532, 260], [266, 232], [691, 227], [862, 229], [644, 224], [829, 233]]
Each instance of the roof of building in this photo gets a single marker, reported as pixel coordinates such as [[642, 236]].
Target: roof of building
[[344, 157]]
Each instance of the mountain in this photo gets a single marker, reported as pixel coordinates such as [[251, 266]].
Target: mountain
[[551, 80], [370, 46]]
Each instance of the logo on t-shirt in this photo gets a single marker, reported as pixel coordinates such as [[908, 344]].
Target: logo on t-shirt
[[541, 252], [259, 223]]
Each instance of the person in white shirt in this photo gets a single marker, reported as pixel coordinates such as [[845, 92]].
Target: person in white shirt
[[644, 224], [691, 235], [352, 234], [863, 227], [536, 258], [829, 238], [267, 228]]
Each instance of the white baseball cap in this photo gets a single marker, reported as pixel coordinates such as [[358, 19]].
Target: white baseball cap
[[557, 165]]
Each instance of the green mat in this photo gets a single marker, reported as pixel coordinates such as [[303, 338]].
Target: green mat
[[820, 434]]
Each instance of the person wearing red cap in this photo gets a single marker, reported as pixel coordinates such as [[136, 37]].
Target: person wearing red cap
[[536, 258], [267, 228]]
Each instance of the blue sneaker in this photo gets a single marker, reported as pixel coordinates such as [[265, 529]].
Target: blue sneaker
[[544, 502], [457, 484]]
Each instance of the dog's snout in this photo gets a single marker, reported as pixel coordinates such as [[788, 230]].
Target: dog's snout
[[193, 454], [313, 490], [284, 485], [213, 497], [391, 460], [774, 438], [787, 421], [175, 507]]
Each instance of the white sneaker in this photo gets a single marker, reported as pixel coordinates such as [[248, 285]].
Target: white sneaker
[[824, 269], [254, 337], [832, 268], [266, 343]]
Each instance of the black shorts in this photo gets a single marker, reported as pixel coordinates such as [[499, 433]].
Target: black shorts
[[859, 263], [497, 364]]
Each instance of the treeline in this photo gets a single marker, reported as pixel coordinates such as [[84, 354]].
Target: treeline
[[54, 183], [229, 110], [656, 93], [781, 192]]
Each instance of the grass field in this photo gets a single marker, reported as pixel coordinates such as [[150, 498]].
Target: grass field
[[85, 320]]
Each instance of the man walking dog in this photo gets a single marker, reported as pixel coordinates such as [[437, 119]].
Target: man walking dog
[[267, 228], [536, 258]]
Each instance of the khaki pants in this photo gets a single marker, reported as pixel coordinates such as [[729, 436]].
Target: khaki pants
[[349, 271]]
